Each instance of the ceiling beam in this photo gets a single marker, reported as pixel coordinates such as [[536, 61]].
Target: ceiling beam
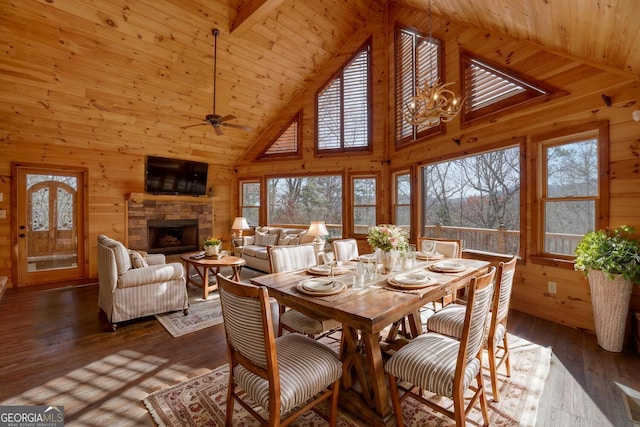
[[252, 13]]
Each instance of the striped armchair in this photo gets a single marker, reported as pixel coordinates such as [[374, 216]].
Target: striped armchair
[[446, 366], [132, 286], [287, 376]]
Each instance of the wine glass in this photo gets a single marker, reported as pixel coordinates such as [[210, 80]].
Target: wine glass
[[328, 257], [429, 247]]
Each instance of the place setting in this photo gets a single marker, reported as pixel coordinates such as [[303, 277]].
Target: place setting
[[448, 267], [412, 280], [320, 287]]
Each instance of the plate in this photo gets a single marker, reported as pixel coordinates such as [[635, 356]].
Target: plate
[[324, 270], [320, 287], [448, 267], [423, 256], [414, 280], [367, 257]]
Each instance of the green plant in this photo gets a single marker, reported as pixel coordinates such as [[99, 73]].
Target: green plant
[[212, 241], [613, 252]]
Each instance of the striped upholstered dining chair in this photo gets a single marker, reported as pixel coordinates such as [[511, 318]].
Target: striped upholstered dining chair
[[284, 259], [345, 249], [450, 320], [446, 366], [288, 375]]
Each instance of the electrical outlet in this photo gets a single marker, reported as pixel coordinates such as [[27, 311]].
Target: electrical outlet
[[3, 214], [552, 287]]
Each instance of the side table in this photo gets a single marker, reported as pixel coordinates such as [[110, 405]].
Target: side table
[[209, 265]]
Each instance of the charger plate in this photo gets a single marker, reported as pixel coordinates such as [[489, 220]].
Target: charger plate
[[424, 257], [320, 287], [324, 270], [447, 267], [414, 280]]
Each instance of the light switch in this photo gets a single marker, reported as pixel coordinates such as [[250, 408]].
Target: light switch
[[1, 196], [3, 214]]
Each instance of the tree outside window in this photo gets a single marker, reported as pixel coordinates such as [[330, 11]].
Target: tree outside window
[[364, 204], [475, 199], [250, 201], [300, 200]]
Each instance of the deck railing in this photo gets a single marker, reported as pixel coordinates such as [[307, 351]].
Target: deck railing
[[500, 241]]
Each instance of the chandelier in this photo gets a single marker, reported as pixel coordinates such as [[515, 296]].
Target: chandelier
[[432, 104]]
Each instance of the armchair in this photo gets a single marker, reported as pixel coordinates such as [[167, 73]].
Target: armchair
[[132, 286]]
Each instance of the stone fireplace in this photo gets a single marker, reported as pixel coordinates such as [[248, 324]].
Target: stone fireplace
[[168, 224]]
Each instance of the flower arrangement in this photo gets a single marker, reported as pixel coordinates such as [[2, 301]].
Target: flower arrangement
[[212, 241], [388, 237]]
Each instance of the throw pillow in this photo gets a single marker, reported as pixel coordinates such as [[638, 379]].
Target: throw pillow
[[270, 239], [259, 239], [137, 261], [284, 240], [295, 239]]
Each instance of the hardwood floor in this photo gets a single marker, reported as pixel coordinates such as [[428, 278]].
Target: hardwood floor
[[53, 334]]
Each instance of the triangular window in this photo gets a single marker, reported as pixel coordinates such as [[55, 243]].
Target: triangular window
[[488, 90], [287, 144]]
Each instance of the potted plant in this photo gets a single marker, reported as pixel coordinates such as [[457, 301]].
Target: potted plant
[[389, 239], [212, 246], [611, 261]]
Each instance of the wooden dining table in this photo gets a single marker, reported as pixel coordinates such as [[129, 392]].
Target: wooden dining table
[[364, 314]]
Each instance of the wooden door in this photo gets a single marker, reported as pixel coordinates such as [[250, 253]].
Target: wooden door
[[49, 224]]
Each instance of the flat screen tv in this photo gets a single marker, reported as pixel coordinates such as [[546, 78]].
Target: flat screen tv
[[175, 176]]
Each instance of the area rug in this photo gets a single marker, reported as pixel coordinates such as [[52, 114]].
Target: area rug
[[202, 399], [202, 314]]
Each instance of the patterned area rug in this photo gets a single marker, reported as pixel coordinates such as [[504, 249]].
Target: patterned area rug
[[202, 313], [202, 399]]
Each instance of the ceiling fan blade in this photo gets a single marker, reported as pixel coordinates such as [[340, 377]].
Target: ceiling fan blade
[[227, 118], [218, 130], [232, 125], [197, 124]]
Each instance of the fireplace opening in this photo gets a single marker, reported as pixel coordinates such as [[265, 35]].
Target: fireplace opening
[[172, 236]]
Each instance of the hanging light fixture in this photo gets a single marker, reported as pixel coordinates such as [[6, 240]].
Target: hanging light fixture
[[432, 103]]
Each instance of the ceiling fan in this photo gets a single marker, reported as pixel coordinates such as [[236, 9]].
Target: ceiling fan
[[213, 119]]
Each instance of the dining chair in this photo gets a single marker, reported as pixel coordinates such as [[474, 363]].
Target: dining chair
[[446, 366], [450, 320], [284, 259], [288, 375], [450, 248], [345, 249]]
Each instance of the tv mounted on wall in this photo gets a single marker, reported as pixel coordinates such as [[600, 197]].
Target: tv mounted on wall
[[175, 176]]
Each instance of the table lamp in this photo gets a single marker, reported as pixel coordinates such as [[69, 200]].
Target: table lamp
[[239, 224], [318, 229]]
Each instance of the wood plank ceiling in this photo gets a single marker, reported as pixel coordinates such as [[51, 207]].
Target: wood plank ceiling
[[127, 74]]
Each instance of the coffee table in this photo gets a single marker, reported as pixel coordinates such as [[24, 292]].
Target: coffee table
[[204, 266]]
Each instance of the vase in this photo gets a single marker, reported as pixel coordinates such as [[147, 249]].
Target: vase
[[212, 250], [389, 261], [610, 301]]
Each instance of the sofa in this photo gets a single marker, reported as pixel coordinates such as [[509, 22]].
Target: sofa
[[254, 247], [133, 284]]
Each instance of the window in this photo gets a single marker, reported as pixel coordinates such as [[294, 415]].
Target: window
[[402, 200], [418, 59], [287, 144], [475, 199], [487, 89], [364, 204], [571, 194], [250, 201], [343, 107], [300, 200]]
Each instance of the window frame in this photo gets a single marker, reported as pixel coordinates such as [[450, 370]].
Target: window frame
[[520, 143], [353, 205], [417, 133], [242, 206], [394, 198], [289, 155], [366, 46], [599, 130]]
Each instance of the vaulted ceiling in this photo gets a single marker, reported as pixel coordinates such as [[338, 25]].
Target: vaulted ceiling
[[127, 74]]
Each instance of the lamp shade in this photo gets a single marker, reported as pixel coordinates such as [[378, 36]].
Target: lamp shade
[[240, 223], [317, 228]]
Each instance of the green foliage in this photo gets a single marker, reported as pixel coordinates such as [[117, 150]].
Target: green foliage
[[613, 252], [388, 237], [212, 241]]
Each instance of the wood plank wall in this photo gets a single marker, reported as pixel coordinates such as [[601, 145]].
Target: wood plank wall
[[572, 304], [77, 90]]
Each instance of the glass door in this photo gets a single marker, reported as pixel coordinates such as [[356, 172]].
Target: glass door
[[50, 225]]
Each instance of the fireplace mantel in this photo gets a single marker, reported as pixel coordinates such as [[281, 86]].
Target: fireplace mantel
[[140, 197]]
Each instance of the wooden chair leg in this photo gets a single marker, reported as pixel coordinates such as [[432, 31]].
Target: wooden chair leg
[[395, 400], [507, 358], [281, 309], [459, 410], [483, 398], [333, 413], [230, 391], [493, 370]]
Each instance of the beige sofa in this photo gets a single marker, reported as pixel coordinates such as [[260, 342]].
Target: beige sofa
[[133, 285], [254, 248]]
